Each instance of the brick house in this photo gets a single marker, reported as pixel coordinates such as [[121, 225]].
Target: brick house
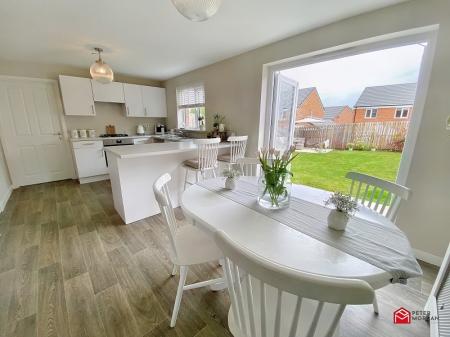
[[385, 103], [309, 105], [342, 114]]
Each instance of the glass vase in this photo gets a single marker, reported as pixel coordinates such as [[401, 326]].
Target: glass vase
[[274, 192]]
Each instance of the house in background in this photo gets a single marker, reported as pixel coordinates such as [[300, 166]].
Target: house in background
[[309, 106], [341, 114], [385, 103]]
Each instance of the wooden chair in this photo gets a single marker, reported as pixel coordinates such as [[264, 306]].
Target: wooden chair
[[206, 161], [271, 300], [188, 244], [237, 150], [364, 189], [249, 166]]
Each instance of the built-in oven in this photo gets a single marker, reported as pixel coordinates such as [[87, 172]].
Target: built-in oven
[[116, 142]]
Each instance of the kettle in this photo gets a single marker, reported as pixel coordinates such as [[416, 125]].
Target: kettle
[[140, 130]]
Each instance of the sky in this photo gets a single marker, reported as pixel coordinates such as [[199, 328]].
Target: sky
[[341, 81]]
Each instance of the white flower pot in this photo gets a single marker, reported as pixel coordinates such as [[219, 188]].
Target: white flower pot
[[221, 127], [337, 220], [230, 183]]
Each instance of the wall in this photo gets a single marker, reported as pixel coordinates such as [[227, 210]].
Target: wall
[[5, 181], [346, 116], [383, 115], [310, 107], [233, 88]]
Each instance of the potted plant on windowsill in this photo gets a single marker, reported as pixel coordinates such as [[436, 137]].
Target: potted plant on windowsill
[[201, 122], [345, 207], [232, 176]]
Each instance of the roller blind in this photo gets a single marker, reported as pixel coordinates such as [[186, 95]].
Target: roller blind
[[191, 97]]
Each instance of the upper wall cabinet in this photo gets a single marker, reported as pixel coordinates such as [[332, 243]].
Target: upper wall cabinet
[[110, 92], [154, 101], [133, 100], [77, 96]]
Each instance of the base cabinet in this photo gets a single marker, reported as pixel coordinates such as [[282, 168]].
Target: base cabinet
[[90, 158]]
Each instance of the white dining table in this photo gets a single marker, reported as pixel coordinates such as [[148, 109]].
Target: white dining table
[[276, 241]]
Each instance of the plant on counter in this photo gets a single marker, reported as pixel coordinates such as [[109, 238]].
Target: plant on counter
[[218, 119], [345, 207], [275, 182], [232, 176]]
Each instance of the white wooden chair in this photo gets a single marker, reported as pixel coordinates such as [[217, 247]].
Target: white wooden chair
[[250, 167], [271, 300], [206, 161], [237, 150], [364, 189], [188, 244]]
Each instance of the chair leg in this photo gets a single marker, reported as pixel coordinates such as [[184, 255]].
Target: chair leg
[[375, 305], [176, 306], [186, 179], [214, 173], [174, 270]]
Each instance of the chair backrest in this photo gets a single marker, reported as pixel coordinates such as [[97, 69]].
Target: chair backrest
[[238, 145], [208, 149], [250, 167], [382, 196], [162, 196], [251, 278]]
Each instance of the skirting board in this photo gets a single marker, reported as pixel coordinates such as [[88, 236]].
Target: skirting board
[[428, 258], [93, 179], [5, 197]]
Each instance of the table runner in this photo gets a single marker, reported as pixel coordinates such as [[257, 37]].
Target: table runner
[[381, 244]]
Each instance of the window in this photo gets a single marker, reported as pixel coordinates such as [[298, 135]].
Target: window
[[191, 107], [371, 113], [401, 113]]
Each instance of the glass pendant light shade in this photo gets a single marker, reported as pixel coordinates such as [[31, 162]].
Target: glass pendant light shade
[[100, 71], [197, 10]]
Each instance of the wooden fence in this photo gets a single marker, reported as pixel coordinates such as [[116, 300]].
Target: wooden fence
[[379, 135]]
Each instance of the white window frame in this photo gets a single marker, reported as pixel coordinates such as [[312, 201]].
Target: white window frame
[[403, 109], [370, 112], [196, 106]]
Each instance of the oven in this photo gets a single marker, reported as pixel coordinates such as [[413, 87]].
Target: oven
[[116, 142]]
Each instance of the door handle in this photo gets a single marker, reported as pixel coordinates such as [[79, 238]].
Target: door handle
[[59, 134]]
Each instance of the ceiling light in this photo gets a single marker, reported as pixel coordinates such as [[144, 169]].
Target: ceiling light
[[197, 10], [100, 71]]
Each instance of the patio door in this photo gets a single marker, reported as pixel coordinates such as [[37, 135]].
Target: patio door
[[283, 112]]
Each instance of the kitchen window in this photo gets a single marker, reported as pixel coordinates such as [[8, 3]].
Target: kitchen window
[[191, 107], [401, 113], [371, 113]]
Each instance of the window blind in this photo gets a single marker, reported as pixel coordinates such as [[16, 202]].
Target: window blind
[[191, 97]]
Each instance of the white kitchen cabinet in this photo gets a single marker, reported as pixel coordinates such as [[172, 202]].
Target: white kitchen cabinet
[[133, 100], [154, 100], [109, 92], [89, 158], [77, 96]]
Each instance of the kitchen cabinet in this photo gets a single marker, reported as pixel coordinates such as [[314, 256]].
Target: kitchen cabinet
[[77, 96], [133, 100], [109, 92], [89, 158], [154, 101]]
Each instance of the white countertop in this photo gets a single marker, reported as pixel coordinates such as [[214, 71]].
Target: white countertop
[[155, 149], [102, 138]]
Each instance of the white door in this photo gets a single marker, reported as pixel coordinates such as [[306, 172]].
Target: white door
[[36, 149], [77, 96], [283, 112], [133, 100], [154, 100]]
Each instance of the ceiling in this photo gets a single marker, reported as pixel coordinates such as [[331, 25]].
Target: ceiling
[[149, 38]]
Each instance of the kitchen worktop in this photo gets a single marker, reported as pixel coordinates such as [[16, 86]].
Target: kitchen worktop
[[144, 150], [102, 138]]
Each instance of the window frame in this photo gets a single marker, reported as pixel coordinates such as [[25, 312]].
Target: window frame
[[196, 106], [372, 110], [402, 110]]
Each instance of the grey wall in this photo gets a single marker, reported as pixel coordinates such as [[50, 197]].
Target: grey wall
[[233, 88]]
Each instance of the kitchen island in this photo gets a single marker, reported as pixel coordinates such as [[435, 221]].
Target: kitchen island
[[134, 169]]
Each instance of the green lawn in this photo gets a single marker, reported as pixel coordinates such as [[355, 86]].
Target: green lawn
[[327, 170]]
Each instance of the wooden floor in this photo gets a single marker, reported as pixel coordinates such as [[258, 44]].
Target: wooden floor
[[70, 267]]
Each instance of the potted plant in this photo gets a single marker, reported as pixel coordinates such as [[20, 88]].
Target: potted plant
[[232, 176], [275, 183], [201, 122], [218, 122], [345, 207]]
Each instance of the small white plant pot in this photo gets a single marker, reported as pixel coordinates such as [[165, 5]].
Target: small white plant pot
[[221, 127], [338, 220], [230, 183]]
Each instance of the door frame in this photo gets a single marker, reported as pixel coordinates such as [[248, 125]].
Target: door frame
[[65, 134], [426, 34]]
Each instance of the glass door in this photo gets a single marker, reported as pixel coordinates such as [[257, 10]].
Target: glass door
[[283, 112]]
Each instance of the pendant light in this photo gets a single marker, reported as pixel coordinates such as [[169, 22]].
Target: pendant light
[[100, 71], [197, 10]]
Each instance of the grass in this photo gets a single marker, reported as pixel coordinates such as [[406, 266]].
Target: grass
[[327, 170]]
